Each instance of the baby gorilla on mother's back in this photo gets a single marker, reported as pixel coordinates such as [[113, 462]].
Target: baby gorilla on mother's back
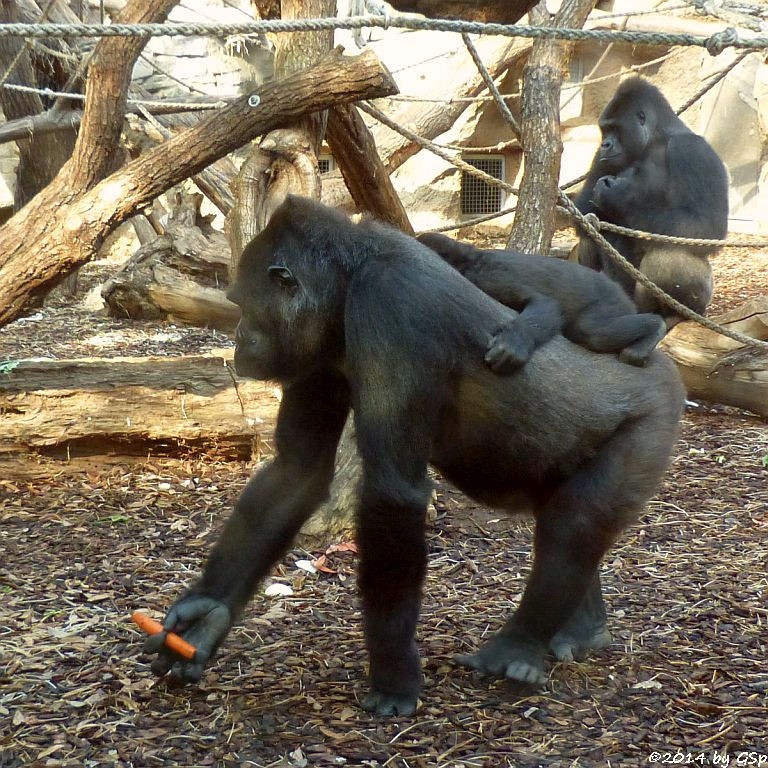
[[362, 317], [552, 296]]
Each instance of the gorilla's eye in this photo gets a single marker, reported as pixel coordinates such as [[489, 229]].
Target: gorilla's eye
[[641, 117], [283, 277]]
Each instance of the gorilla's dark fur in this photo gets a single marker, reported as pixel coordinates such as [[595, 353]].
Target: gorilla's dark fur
[[360, 316], [552, 296], [653, 173]]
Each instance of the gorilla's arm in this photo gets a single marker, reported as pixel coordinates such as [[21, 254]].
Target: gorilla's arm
[[697, 193], [540, 318], [680, 190], [501, 276], [275, 503]]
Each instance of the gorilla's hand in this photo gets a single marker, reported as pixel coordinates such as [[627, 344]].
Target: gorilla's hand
[[617, 195], [510, 348], [201, 621]]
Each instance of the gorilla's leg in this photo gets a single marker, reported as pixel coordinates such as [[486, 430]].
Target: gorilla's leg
[[635, 336], [574, 528], [586, 630], [393, 563]]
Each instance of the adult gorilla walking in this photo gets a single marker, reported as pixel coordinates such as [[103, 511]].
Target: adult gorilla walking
[[653, 173], [361, 316]]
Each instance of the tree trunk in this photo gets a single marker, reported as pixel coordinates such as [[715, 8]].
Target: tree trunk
[[365, 175], [718, 369], [535, 216], [41, 155], [98, 405], [64, 226], [286, 159]]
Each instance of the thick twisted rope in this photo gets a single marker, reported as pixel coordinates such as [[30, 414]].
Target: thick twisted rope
[[639, 234], [715, 44]]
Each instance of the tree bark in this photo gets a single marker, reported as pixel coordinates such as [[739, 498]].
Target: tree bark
[[534, 223], [366, 177], [286, 159], [177, 276], [214, 182], [96, 405], [63, 227], [41, 155], [718, 369], [109, 73]]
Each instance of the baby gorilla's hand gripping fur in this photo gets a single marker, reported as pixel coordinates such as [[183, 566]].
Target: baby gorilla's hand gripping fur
[[510, 347]]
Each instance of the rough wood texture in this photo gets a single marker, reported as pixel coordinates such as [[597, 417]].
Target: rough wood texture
[[249, 188], [90, 404], [59, 231], [285, 161], [534, 222], [365, 175], [214, 181], [718, 369], [177, 276], [40, 155]]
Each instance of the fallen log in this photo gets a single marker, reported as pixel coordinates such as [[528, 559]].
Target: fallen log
[[133, 405], [719, 370], [179, 276]]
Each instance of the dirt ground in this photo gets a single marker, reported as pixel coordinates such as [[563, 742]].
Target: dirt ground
[[86, 542]]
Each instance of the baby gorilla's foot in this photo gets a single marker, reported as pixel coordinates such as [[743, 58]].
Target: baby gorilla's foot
[[513, 658]]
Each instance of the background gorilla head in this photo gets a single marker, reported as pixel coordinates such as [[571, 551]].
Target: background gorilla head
[[637, 114]]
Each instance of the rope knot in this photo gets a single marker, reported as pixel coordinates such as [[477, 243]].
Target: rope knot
[[718, 42], [593, 220]]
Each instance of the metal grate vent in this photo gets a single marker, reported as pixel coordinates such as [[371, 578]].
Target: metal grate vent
[[326, 163], [477, 196]]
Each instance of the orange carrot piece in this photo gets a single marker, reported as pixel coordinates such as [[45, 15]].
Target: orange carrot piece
[[172, 640]]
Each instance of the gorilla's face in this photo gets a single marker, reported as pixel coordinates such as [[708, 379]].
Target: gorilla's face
[[627, 128], [291, 309]]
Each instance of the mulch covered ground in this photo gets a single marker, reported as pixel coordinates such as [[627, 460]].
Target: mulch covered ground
[[86, 542]]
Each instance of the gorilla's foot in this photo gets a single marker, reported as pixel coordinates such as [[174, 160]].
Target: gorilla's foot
[[577, 637], [389, 704], [509, 657]]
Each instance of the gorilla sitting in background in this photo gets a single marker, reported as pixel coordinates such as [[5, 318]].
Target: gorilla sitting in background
[[362, 317], [552, 296], [653, 173]]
